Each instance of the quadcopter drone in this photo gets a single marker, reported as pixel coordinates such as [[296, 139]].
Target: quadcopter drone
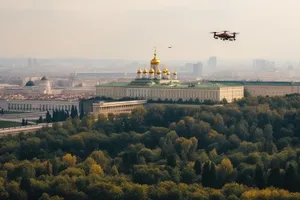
[[225, 35]]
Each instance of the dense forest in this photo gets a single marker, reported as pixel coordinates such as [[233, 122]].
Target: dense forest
[[246, 150]]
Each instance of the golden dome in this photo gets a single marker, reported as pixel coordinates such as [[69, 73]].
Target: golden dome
[[165, 70], [155, 61], [145, 71], [151, 71], [158, 72], [139, 71], [175, 73], [168, 73]]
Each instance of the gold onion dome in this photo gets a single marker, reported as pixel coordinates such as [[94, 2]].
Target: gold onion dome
[[168, 73], [158, 72], [151, 71], [139, 71], [175, 73], [165, 70], [145, 71], [155, 61]]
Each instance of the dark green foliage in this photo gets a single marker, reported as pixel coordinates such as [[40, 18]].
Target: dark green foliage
[[146, 154], [48, 117], [198, 167], [274, 178], [40, 120], [209, 175], [172, 160], [259, 177], [23, 122], [290, 181]]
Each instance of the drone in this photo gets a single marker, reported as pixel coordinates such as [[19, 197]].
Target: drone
[[225, 35], [169, 47]]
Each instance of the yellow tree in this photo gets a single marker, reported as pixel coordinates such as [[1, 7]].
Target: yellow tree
[[96, 170], [69, 160], [225, 169], [213, 154]]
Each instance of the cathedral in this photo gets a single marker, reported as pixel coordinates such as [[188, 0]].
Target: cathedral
[[156, 84], [154, 72]]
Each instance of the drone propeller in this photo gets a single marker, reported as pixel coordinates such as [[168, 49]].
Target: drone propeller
[[213, 32], [235, 33]]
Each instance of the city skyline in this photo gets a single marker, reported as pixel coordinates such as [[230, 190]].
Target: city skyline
[[130, 30]]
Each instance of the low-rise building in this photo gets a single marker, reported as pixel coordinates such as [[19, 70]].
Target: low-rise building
[[116, 107], [28, 105], [266, 88]]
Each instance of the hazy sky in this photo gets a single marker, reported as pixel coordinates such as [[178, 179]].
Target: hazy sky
[[129, 29]]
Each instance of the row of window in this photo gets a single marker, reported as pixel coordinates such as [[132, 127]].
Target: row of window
[[169, 93], [42, 107]]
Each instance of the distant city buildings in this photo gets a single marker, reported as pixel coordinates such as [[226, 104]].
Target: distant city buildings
[[198, 69], [263, 65], [32, 62], [212, 62]]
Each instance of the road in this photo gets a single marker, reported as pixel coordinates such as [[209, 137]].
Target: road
[[15, 120], [24, 129]]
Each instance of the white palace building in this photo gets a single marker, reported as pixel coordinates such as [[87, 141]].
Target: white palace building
[[156, 84], [29, 105]]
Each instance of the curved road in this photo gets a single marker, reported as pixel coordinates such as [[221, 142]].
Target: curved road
[[25, 129]]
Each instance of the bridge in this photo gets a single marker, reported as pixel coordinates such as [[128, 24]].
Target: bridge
[[25, 129]]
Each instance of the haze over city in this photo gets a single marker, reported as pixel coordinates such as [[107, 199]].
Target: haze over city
[[130, 29], [149, 100]]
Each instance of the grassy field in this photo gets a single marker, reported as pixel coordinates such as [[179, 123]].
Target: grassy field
[[6, 124]]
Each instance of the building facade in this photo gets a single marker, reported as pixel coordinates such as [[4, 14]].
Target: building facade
[[42, 86], [156, 84], [37, 105], [116, 107], [266, 88]]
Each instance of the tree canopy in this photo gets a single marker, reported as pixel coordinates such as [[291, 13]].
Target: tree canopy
[[246, 150]]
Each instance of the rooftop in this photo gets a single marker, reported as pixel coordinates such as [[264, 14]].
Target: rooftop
[[266, 83], [153, 83], [44, 78], [30, 83]]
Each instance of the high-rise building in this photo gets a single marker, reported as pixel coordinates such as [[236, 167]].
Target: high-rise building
[[34, 63], [263, 65], [212, 62], [198, 69], [188, 67], [29, 63]]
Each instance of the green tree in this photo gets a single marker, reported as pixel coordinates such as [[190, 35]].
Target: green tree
[[172, 160], [259, 177], [48, 117], [274, 178], [290, 178], [209, 175], [198, 167]]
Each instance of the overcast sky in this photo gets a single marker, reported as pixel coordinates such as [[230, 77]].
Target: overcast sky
[[129, 29]]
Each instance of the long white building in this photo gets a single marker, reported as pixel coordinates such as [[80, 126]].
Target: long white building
[[37, 105], [156, 84]]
